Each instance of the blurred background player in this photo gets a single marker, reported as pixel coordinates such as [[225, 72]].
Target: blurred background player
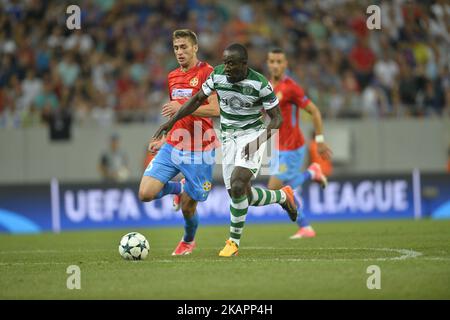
[[291, 142], [243, 94], [182, 151], [314, 157], [113, 164]]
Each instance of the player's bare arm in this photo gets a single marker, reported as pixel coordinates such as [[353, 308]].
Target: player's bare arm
[[208, 110], [186, 109], [323, 149], [275, 123]]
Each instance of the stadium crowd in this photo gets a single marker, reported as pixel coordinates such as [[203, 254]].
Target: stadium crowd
[[114, 69]]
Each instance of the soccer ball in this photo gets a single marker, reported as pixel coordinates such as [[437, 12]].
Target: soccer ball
[[134, 246]]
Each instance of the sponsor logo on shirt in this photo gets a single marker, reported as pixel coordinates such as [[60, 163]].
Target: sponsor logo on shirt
[[246, 90], [181, 93]]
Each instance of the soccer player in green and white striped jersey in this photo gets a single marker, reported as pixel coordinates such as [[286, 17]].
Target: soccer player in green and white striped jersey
[[242, 94]]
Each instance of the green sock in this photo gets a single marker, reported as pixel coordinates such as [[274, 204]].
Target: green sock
[[238, 208], [263, 197]]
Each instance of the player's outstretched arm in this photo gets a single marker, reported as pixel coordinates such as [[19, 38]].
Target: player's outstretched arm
[[211, 109], [323, 149], [186, 109], [206, 110]]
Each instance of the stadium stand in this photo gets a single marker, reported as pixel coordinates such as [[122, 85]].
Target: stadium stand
[[114, 69]]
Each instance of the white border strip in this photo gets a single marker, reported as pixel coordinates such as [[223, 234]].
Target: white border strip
[[54, 195], [417, 197]]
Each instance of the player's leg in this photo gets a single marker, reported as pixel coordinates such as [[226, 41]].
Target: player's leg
[[243, 195], [291, 162], [237, 220], [187, 243], [155, 180], [275, 183], [284, 197], [176, 201], [260, 196], [198, 175], [305, 230], [239, 192], [276, 193], [313, 172], [149, 188]]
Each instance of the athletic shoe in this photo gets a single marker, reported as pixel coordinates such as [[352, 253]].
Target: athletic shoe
[[317, 174], [184, 248], [290, 205], [230, 249], [304, 232]]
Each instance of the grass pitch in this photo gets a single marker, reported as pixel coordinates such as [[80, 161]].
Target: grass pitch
[[413, 256]]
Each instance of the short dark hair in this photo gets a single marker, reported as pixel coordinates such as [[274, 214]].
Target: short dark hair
[[277, 50], [239, 49], [185, 33]]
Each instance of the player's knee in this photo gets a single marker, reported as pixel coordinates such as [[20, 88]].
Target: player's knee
[[188, 209], [275, 184], [238, 188], [188, 206], [188, 212], [146, 195]]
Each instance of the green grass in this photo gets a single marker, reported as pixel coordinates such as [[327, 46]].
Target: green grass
[[269, 266]]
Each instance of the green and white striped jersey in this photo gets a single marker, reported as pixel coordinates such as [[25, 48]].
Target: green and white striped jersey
[[240, 102]]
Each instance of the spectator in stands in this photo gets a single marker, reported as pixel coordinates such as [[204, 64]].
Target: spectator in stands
[[362, 60], [60, 123], [122, 52], [386, 72], [113, 165], [46, 100]]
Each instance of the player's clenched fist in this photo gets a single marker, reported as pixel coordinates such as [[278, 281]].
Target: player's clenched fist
[[324, 151]]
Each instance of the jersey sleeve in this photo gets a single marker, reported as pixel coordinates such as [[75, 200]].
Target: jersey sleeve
[[268, 97], [298, 96], [208, 85], [206, 72]]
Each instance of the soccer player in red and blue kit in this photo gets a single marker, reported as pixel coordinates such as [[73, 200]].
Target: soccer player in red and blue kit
[[291, 142], [189, 147]]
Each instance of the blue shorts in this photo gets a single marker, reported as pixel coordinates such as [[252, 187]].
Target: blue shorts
[[196, 166], [288, 164]]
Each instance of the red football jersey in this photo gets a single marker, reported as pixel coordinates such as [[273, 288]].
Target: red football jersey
[[190, 133], [292, 98]]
